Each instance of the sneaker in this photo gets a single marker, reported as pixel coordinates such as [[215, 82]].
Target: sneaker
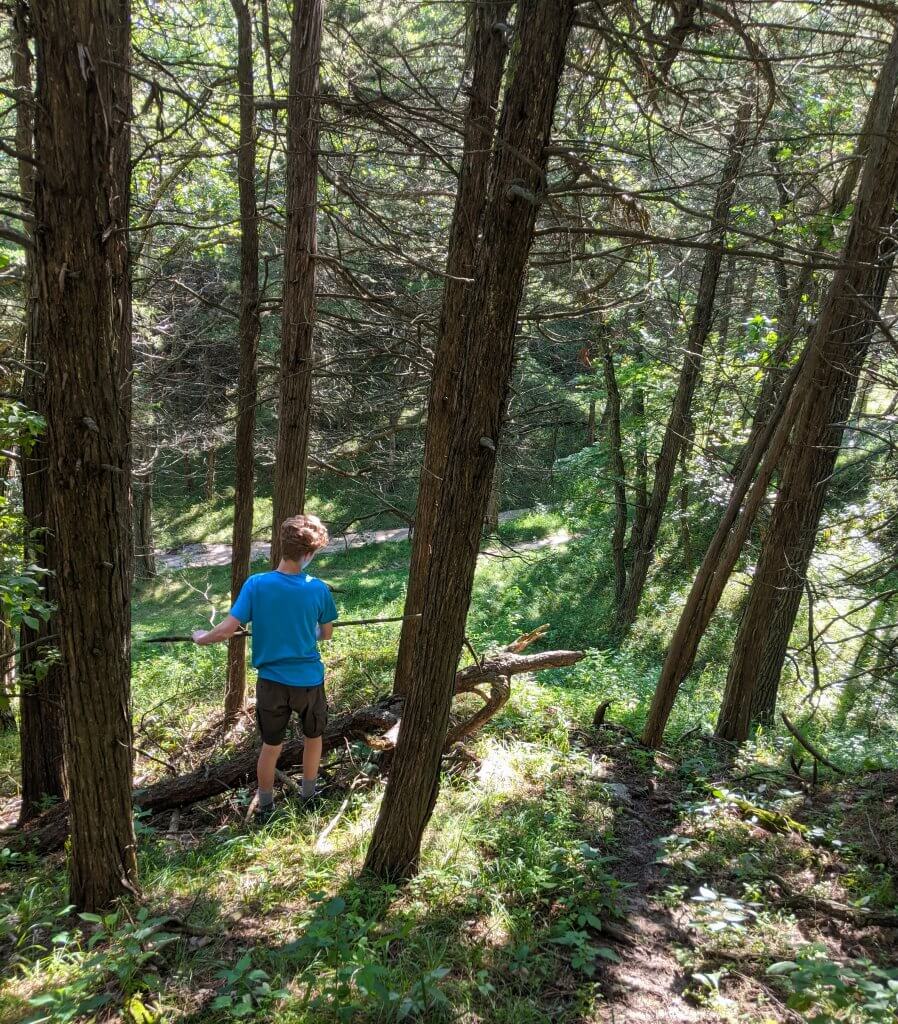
[[262, 815]]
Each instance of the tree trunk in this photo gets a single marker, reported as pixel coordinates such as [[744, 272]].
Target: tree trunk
[[517, 181], [244, 453], [7, 641], [591, 424], [7, 678], [144, 546], [209, 487], [641, 465], [690, 372], [774, 596], [838, 316], [40, 701], [494, 504], [615, 443], [723, 552], [82, 291], [685, 530], [298, 312], [488, 48]]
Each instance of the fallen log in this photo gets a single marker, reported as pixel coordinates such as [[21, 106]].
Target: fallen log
[[48, 831]]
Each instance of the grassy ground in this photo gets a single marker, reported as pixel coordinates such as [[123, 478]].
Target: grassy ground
[[568, 875]]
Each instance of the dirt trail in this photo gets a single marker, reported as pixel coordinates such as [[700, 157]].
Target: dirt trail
[[646, 986], [199, 556]]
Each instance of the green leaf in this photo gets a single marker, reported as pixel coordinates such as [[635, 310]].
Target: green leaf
[[782, 967]]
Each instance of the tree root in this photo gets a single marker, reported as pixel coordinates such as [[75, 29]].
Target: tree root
[[860, 916]]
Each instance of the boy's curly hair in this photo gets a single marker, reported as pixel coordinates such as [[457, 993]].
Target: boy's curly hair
[[302, 536]]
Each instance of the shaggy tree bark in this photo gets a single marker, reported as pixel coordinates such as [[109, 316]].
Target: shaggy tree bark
[[488, 49], [7, 642], [839, 314], [298, 308], [40, 703], [82, 295], [722, 553], [615, 444], [848, 318], [641, 463], [690, 372], [144, 547], [244, 452], [517, 183]]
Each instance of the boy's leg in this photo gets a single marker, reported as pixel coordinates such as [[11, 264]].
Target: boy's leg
[[311, 759], [265, 769], [272, 715], [313, 713]]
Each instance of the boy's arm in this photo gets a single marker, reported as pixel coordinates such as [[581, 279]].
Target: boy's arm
[[223, 631], [327, 614]]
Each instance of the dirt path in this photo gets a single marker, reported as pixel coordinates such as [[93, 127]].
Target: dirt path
[[199, 556], [646, 986]]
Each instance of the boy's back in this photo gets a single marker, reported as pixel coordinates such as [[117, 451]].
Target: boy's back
[[285, 610]]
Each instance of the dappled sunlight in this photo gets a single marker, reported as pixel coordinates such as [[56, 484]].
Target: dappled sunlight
[[500, 773]]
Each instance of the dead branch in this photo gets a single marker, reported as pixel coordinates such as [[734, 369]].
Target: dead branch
[[808, 746]]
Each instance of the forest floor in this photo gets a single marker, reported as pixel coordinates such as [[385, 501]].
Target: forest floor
[[568, 875]]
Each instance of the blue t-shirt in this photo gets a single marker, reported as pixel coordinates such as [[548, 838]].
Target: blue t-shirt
[[285, 610]]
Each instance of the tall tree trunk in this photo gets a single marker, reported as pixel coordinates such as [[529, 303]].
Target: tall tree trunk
[[690, 372], [723, 552], [82, 292], [494, 505], [685, 530], [641, 464], [298, 308], [144, 546], [517, 181], [7, 677], [615, 444], [209, 489], [40, 681], [7, 639], [845, 295], [488, 50], [244, 453], [774, 596]]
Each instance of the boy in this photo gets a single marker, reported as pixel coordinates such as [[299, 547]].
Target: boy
[[290, 611]]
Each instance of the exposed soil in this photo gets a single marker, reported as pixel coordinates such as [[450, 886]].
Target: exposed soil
[[646, 987]]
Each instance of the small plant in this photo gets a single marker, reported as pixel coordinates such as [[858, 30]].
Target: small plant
[[718, 913], [122, 971], [857, 990], [245, 988], [584, 954]]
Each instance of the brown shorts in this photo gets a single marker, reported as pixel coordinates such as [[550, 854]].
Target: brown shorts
[[275, 702]]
